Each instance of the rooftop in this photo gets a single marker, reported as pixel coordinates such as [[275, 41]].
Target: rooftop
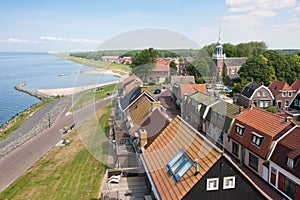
[[277, 86], [249, 89], [192, 88]]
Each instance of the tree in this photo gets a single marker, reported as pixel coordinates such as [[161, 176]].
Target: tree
[[201, 65], [257, 70], [144, 62], [173, 68]]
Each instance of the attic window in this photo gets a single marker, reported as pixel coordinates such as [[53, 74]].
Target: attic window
[[290, 162], [212, 184], [284, 94], [290, 93], [229, 182], [240, 129], [179, 165], [257, 139], [258, 94]]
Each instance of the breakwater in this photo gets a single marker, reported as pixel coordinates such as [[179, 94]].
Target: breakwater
[[21, 88]]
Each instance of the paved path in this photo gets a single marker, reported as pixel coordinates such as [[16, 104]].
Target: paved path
[[19, 160]]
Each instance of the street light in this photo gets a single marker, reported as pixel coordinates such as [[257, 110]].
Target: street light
[[49, 122]]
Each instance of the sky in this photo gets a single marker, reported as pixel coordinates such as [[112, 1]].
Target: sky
[[83, 25]]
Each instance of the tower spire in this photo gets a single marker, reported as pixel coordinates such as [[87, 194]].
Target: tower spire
[[219, 41]]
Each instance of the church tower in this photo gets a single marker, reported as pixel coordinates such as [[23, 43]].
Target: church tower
[[219, 58]]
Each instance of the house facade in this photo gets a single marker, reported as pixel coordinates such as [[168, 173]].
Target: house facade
[[160, 73], [284, 168], [252, 137], [189, 166], [258, 95], [282, 93]]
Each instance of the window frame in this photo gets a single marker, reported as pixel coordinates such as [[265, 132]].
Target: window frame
[[256, 139], [290, 162], [251, 155], [264, 93], [286, 101], [234, 144], [239, 129], [208, 181], [258, 93], [283, 93], [226, 187], [290, 93]]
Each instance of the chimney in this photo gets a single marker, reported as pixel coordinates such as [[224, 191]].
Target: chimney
[[143, 137], [287, 119], [197, 166], [143, 88], [241, 108], [155, 105]]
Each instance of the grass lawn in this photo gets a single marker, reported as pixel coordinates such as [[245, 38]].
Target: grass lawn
[[89, 97], [23, 117], [68, 172], [118, 68]]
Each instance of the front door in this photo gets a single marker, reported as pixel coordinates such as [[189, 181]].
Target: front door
[[243, 154]]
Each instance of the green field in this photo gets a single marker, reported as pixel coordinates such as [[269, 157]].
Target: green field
[[117, 68], [68, 172], [89, 97]]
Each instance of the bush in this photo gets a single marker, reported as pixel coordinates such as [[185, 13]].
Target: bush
[[272, 110], [199, 80], [152, 83]]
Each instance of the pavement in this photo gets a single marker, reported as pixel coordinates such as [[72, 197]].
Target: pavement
[[19, 160]]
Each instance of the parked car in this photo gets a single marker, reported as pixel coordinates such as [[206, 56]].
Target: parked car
[[157, 91]]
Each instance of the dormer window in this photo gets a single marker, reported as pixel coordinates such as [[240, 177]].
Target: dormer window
[[284, 94], [290, 162], [240, 129], [257, 139], [290, 93]]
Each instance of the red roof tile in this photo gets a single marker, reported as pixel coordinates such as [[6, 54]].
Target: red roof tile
[[192, 88], [269, 125], [179, 135], [276, 86], [162, 65], [296, 85], [289, 146]]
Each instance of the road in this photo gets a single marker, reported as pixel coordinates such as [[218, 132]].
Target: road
[[19, 160]]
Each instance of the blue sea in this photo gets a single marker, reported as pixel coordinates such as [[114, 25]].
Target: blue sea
[[38, 71]]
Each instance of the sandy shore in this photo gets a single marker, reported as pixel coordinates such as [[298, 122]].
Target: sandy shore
[[71, 90]]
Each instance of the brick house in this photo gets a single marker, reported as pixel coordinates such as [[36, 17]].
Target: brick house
[[284, 168], [252, 137], [258, 95], [283, 94]]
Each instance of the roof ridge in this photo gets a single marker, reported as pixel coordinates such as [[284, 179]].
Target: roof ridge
[[278, 116], [199, 135]]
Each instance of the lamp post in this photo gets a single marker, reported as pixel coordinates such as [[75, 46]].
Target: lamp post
[[49, 122]]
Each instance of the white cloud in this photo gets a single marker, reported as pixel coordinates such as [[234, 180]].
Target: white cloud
[[16, 40], [51, 38]]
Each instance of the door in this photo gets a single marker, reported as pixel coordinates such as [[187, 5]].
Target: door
[[243, 154]]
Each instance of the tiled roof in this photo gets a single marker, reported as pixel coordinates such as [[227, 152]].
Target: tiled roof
[[249, 89], [288, 146], [296, 85], [192, 88], [228, 110], [276, 86], [264, 123], [182, 80], [233, 62], [162, 65], [154, 125], [179, 135], [130, 97], [140, 110]]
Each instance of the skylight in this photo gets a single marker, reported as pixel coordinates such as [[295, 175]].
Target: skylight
[[179, 165]]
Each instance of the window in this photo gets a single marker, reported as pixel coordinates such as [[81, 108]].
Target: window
[[296, 102], [253, 161], [256, 139], [284, 94], [229, 182], [290, 93], [287, 103], [240, 129], [290, 188], [235, 149], [264, 93], [258, 94], [212, 184], [290, 162], [179, 165], [273, 176]]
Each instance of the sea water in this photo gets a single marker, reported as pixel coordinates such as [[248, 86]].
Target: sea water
[[38, 71]]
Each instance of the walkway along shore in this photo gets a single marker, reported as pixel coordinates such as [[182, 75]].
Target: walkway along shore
[[20, 87]]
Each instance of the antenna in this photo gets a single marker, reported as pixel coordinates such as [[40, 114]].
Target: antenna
[[219, 33]]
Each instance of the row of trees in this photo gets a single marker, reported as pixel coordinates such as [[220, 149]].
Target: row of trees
[[271, 65]]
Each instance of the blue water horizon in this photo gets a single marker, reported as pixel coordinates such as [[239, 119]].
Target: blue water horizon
[[39, 70]]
